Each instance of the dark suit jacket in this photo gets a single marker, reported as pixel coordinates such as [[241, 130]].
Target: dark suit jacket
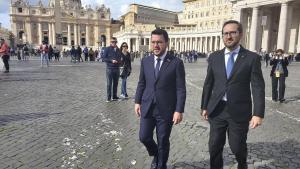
[[246, 71], [168, 89], [109, 55], [284, 63]]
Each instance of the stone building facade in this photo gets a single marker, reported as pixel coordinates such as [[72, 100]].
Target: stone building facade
[[62, 23], [269, 24], [198, 27]]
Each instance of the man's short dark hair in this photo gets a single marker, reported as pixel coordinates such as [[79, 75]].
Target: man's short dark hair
[[159, 31], [113, 39], [240, 26]]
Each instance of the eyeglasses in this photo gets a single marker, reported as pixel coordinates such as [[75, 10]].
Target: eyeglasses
[[231, 33], [114, 41]]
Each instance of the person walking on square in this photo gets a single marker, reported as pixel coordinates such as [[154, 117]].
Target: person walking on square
[[160, 98], [126, 69], [112, 57], [44, 53], [279, 72], [86, 54], [4, 54], [233, 74]]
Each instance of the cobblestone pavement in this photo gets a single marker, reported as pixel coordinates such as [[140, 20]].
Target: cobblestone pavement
[[57, 117]]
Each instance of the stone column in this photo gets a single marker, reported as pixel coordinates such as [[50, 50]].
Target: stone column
[[254, 29], [298, 43], [87, 35], [216, 43], [40, 32], [75, 35], [69, 35], [78, 35], [221, 42], [199, 45], [205, 44], [53, 34], [185, 44], [96, 35], [28, 30], [137, 44], [50, 38], [211, 43], [282, 32]]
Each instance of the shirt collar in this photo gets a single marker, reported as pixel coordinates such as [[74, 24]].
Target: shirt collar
[[161, 57], [237, 50]]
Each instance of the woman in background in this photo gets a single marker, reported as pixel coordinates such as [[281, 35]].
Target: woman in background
[[126, 69]]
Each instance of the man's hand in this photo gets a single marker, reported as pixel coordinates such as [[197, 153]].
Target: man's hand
[[114, 61], [255, 121], [137, 109], [177, 118], [204, 114]]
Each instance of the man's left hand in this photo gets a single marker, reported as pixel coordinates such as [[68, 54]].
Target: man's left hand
[[177, 118], [255, 122]]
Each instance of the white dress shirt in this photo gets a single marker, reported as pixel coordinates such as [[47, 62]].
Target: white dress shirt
[[162, 59]]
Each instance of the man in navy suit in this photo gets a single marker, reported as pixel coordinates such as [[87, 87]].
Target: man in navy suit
[[112, 57], [160, 98], [232, 75]]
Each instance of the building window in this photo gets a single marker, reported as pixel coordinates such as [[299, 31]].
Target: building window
[[20, 10], [44, 11]]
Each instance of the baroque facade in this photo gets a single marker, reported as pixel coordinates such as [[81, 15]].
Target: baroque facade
[[269, 24], [61, 23]]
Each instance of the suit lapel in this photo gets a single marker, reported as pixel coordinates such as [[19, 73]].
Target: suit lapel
[[238, 61], [150, 66], [164, 65], [222, 64]]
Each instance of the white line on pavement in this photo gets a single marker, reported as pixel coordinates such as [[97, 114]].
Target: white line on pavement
[[288, 116], [193, 85]]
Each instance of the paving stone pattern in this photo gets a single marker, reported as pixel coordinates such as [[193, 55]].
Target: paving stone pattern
[[57, 117]]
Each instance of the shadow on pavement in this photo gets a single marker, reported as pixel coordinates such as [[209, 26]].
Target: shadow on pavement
[[260, 155], [5, 119]]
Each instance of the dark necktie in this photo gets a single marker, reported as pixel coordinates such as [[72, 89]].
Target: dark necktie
[[230, 64], [157, 67]]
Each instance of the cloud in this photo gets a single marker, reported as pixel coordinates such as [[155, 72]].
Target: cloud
[[124, 8], [155, 4]]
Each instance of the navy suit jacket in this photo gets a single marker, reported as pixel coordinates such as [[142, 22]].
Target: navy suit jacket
[[246, 78], [168, 89]]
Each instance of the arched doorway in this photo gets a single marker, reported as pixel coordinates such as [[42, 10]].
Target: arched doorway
[[103, 40]]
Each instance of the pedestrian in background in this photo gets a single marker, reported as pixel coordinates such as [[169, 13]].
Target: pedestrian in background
[[279, 72], [86, 54], [4, 54], [125, 70], [233, 76], [112, 57], [44, 53]]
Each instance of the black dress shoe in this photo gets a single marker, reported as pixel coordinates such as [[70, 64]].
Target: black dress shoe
[[154, 163], [115, 98], [282, 100]]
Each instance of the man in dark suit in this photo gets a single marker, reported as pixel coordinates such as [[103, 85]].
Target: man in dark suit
[[112, 57], [160, 98], [226, 98]]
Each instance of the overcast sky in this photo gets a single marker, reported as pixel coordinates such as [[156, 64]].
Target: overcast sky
[[117, 7]]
